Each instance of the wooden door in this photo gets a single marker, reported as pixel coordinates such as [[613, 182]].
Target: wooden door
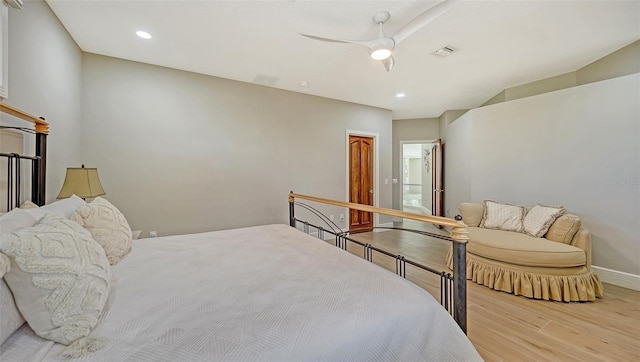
[[437, 195], [360, 181]]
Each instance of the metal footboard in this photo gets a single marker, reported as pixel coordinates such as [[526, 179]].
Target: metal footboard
[[38, 161], [453, 295], [14, 178]]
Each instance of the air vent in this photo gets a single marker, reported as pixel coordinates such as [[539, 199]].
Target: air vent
[[16, 4], [266, 80], [443, 52]]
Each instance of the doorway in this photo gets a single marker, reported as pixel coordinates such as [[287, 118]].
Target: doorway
[[421, 172], [361, 180], [417, 177]]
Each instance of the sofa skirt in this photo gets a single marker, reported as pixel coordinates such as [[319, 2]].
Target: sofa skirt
[[559, 284]]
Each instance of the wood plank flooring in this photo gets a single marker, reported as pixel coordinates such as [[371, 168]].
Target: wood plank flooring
[[505, 327]]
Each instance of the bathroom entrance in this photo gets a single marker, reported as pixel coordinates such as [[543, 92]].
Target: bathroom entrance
[[422, 177]]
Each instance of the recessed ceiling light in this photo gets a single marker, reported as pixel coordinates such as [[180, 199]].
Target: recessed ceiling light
[[143, 34], [400, 95]]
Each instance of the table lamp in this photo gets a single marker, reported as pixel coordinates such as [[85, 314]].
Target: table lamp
[[83, 182]]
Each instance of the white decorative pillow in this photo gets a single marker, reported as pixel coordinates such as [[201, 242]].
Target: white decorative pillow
[[108, 227], [16, 219], [10, 317], [540, 218], [5, 265], [502, 216], [60, 278], [64, 207]]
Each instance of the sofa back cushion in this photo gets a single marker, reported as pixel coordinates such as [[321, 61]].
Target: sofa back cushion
[[564, 228], [471, 213]]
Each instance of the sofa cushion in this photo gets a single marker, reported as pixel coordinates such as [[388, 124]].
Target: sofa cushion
[[564, 228], [471, 213], [521, 249]]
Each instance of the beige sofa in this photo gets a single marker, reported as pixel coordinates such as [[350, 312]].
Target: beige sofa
[[554, 267]]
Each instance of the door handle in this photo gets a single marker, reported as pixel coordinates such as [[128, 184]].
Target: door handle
[[370, 191]]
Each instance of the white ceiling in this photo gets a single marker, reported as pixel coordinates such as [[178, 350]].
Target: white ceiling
[[499, 44]]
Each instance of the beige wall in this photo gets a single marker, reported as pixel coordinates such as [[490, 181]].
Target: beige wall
[[45, 80], [181, 152], [622, 62], [578, 147]]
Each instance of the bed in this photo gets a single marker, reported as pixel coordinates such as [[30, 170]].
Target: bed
[[269, 292]]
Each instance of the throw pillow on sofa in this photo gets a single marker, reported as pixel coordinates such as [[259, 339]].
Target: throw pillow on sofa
[[539, 219], [502, 216]]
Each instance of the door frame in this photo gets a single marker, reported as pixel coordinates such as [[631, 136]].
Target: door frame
[[376, 170], [400, 164]]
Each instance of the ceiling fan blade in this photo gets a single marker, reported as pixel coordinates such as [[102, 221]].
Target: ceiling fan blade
[[389, 63], [367, 43], [423, 19]]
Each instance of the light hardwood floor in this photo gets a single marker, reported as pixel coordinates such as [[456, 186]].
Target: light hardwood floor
[[505, 327]]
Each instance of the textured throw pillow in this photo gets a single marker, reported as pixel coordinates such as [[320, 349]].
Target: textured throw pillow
[[539, 219], [108, 227], [64, 207], [502, 216], [28, 205], [10, 317], [4, 265], [60, 278]]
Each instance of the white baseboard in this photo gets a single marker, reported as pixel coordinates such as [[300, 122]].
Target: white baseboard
[[621, 279]]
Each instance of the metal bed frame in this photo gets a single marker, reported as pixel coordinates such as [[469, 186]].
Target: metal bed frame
[[38, 161], [453, 289]]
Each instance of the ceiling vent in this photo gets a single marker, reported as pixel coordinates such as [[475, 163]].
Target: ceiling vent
[[443, 52], [16, 4], [266, 80]]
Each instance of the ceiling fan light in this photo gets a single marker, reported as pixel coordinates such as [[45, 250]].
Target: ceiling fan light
[[380, 53]]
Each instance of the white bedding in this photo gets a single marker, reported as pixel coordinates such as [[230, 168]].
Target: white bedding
[[267, 293]]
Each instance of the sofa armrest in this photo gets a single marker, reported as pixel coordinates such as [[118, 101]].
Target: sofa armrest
[[582, 240]]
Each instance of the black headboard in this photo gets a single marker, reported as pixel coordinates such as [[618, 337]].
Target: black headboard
[[37, 162]]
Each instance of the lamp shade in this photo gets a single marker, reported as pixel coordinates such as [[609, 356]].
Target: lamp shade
[[83, 182]]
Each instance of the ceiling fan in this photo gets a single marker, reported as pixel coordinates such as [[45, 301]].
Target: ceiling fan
[[381, 48]]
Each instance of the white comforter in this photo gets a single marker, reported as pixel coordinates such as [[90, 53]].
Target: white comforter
[[267, 293]]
